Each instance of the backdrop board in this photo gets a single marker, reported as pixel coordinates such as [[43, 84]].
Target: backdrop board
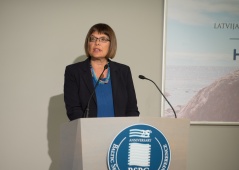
[[202, 60], [85, 142]]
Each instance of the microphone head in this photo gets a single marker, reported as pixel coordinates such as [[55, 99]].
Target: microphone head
[[106, 66], [142, 77]]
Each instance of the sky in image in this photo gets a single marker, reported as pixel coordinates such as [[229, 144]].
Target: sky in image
[[202, 32]]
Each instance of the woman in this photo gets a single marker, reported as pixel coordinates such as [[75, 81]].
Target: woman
[[114, 94]]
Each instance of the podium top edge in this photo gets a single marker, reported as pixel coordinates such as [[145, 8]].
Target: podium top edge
[[136, 119]]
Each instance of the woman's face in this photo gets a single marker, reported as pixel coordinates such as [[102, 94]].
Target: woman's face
[[98, 45]]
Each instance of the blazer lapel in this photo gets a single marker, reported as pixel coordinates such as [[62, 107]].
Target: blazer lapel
[[115, 81], [87, 77]]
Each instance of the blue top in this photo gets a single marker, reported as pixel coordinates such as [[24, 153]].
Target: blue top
[[104, 97]]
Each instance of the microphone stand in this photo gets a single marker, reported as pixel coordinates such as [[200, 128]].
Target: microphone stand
[[86, 113], [142, 77]]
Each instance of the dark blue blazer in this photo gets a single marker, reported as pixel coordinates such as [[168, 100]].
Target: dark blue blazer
[[79, 86]]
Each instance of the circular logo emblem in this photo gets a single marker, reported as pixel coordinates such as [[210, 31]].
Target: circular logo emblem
[[139, 147]]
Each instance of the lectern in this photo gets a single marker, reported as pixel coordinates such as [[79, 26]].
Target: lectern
[[85, 142]]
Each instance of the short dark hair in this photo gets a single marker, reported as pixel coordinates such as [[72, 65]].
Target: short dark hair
[[103, 29]]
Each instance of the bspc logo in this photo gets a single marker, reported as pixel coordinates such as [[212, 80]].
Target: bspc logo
[[139, 147]]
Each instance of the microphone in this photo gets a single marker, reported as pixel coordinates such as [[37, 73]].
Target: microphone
[[142, 77], [86, 113]]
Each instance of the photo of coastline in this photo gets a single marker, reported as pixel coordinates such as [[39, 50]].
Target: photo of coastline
[[203, 93]]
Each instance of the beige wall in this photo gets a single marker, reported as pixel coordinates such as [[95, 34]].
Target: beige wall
[[213, 147], [39, 38]]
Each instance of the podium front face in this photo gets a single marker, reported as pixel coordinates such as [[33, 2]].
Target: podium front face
[[85, 142]]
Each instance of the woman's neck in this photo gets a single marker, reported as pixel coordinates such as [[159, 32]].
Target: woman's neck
[[98, 63], [98, 66]]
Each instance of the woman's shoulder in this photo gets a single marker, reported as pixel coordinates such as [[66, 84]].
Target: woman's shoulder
[[77, 66]]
